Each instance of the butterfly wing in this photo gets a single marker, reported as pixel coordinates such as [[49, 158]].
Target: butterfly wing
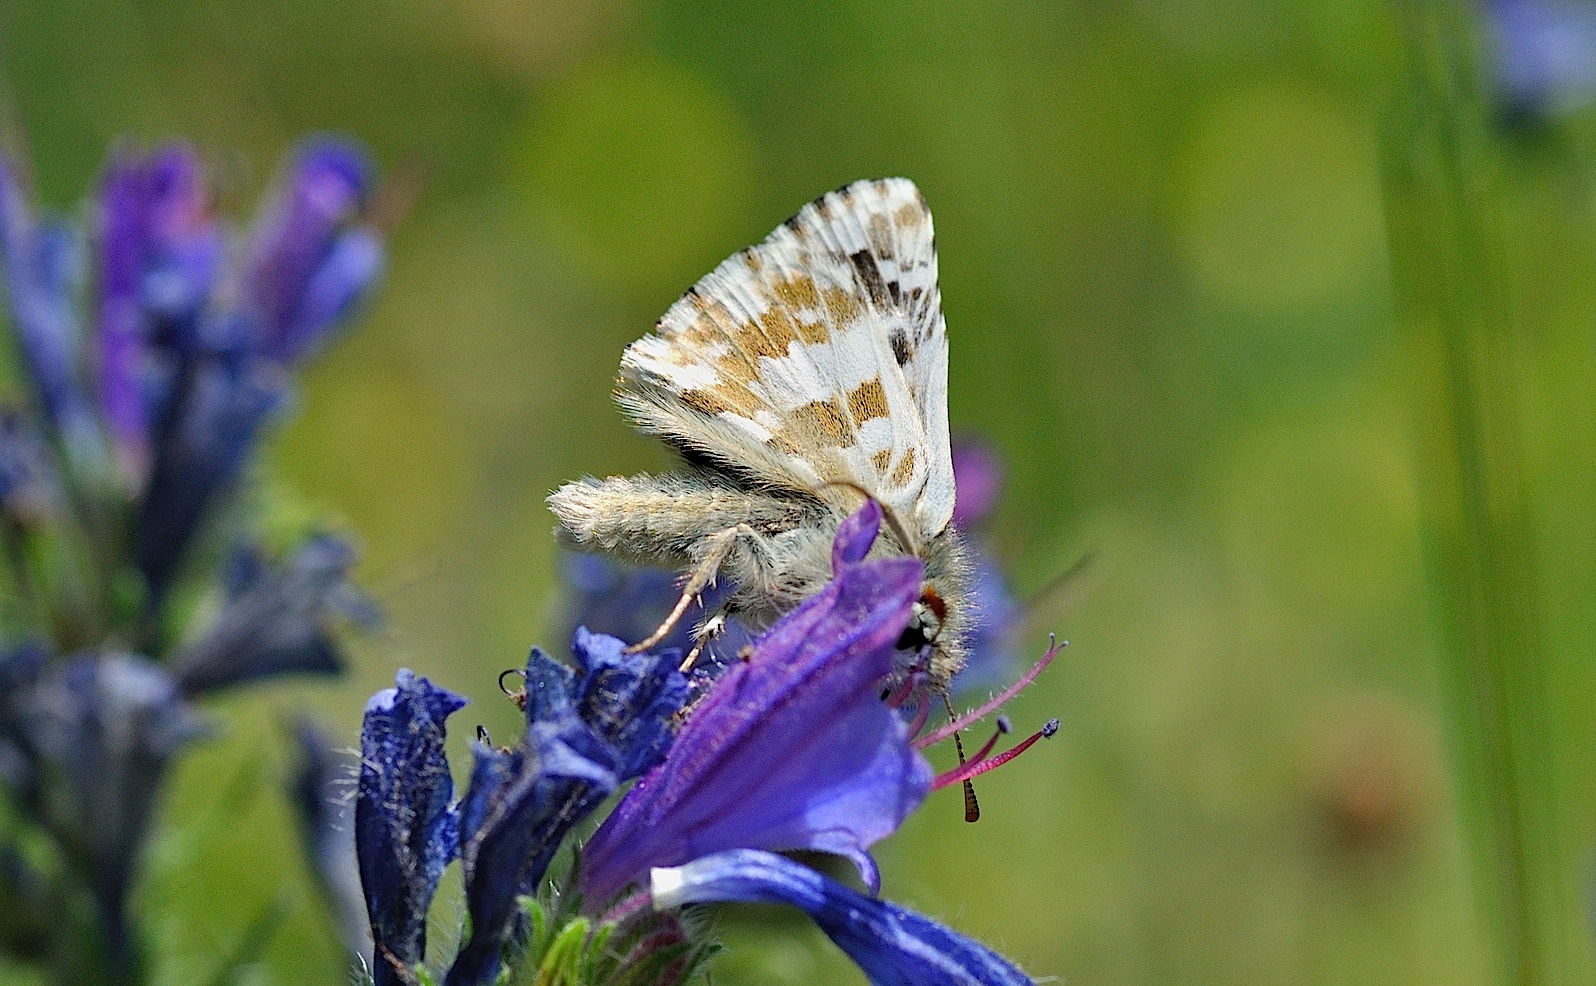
[[817, 356]]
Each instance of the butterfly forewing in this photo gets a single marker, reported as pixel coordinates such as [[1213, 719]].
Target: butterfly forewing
[[818, 356]]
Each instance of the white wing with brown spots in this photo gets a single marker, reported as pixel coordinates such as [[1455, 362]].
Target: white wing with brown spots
[[819, 355]]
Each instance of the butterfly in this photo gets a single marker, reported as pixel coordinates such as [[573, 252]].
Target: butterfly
[[798, 377]]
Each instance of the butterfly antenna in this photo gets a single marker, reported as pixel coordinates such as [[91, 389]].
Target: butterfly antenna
[[972, 807], [910, 544]]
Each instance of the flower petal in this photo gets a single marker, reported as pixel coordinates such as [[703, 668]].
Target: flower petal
[[893, 945], [589, 729], [276, 623], [792, 749], [406, 830], [293, 243]]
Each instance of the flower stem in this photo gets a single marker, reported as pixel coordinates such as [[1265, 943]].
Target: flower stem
[[1447, 252]]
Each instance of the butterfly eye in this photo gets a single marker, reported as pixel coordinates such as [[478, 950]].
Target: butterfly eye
[[925, 621]]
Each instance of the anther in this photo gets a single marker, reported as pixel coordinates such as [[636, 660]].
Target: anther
[[981, 765]]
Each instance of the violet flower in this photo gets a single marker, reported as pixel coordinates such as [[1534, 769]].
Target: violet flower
[[793, 748], [277, 619], [152, 359], [90, 740], [229, 363], [406, 825], [308, 262], [321, 790], [1542, 56], [41, 259], [589, 729], [978, 477], [894, 946]]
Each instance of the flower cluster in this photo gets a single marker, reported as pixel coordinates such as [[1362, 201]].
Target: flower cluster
[[792, 748], [154, 344]]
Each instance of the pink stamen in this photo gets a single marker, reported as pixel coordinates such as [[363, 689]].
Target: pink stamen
[[1003, 728], [970, 718], [976, 768], [919, 719], [911, 685], [626, 908]]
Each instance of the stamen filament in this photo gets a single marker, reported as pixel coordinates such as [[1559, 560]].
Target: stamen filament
[[995, 703], [627, 907], [920, 717], [976, 768], [1003, 728]]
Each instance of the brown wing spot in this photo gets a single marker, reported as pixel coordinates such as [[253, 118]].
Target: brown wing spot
[[729, 396], [843, 306], [909, 215], [769, 336], [868, 400], [818, 423], [797, 291], [813, 332], [783, 443], [881, 460], [705, 401], [710, 323], [905, 470], [879, 233]]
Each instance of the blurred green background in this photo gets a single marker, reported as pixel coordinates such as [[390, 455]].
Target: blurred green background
[[1166, 279]]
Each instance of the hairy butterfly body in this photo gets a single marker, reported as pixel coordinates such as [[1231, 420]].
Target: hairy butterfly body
[[797, 377]]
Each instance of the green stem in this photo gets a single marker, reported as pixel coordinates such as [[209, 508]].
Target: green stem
[[1446, 246]]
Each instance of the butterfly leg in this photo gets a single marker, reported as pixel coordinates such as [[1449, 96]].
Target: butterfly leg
[[720, 546]]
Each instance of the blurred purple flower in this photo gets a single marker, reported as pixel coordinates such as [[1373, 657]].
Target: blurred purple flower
[[1542, 55], [978, 477], [308, 262], [277, 619], [793, 748], [893, 945], [978, 481], [589, 729], [41, 274], [630, 601], [321, 790], [93, 736], [160, 253], [406, 826], [190, 355]]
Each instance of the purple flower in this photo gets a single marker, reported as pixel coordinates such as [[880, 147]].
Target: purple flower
[[190, 354], [320, 792], [277, 619], [41, 270], [1543, 55], [94, 736], [225, 399], [793, 748], [978, 475], [978, 481], [309, 262], [589, 729], [894, 946], [631, 601], [406, 828], [160, 252]]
